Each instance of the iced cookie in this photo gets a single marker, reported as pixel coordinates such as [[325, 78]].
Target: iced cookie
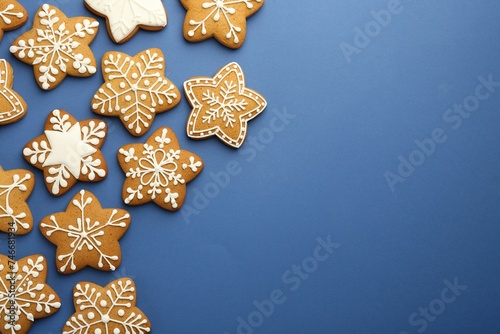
[[223, 19], [222, 106], [106, 310], [158, 170], [12, 15], [135, 89], [12, 105], [125, 17], [86, 234], [57, 46], [24, 295], [68, 151], [15, 187]]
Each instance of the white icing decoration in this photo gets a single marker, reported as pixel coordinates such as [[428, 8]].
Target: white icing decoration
[[5, 209], [142, 86], [56, 46], [13, 107], [7, 11], [85, 232], [125, 16], [193, 165]]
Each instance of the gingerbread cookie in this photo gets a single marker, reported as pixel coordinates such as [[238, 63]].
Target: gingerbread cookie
[[12, 15], [15, 187], [57, 46], [68, 151], [12, 105], [106, 310], [24, 295], [86, 234], [135, 89], [125, 17], [158, 170], [222, 106], [223, 19]]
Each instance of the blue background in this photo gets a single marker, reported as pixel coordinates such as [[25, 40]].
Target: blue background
[[322, 174]]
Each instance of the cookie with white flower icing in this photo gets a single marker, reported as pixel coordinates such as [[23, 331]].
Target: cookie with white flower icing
[[125, 17], [12, 15], [57, 46]]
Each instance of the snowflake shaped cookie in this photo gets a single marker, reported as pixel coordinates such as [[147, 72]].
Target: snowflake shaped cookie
[[135, 89], [68, 151], [12, 15], [222, 106], [106, 310], [125, 17], [86, 234], [158, 170], [24, 295], [12, 105], [223, 19], [15, 187], [57, 46]]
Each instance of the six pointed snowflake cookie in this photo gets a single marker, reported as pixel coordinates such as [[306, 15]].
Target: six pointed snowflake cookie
[[135, 89], [125, 17], [222, 106], [68, 151], [15, 187], [24, 291], [86, 234], [106, 310], [223, 19], [57, 46], [12, 105], [12, 15], [158, 170]]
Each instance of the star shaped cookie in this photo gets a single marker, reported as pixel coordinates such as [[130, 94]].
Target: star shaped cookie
[[57, 46], [222, 106], [125, 17], [106, 310], [223, 19], [24, 295], [12, 15], [12, 105], [86, 234], [68, 151], [15, 187], [158, 170], [135, 89]]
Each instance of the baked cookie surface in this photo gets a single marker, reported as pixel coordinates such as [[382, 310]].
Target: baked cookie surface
[[13, 15]]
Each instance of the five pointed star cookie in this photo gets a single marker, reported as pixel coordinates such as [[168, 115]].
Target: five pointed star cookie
[[12, 15], [12, 105], [57, 46], [24, 295], [125, 17], [135, 89], [158, 170], [223, 19], [68, 151], [86, 234], [106, 310], [222, 106]]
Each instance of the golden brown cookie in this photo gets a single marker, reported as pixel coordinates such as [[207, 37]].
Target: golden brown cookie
[[68, 151], [135, 89], [223, 19], [158, 170], [24, 294], [106, 310], [15, 187], [12, 15], [86, 234], [12, 105], [57, 46], [125, 17], [222, 106]]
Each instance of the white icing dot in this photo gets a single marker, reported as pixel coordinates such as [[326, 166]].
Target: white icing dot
[[121, 313], [122, 84], [103, 303], [116, 331], [143, 97], [97, 331], [91, 315], [135, 75]]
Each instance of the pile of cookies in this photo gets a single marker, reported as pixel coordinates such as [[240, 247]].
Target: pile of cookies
[[67, 150]]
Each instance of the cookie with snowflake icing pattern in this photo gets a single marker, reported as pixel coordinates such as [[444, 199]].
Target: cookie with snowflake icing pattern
[[57, 46], [12, 105], [125, 17], [68, 151], [135, 89], [12, 15], [222, 106], [106, 310], [158, 170], [225, 20], [86, 234]]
